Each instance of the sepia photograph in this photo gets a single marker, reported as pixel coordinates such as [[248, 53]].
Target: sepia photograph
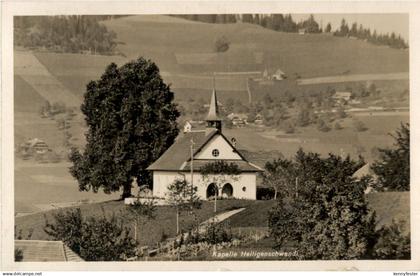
[[211, 137]]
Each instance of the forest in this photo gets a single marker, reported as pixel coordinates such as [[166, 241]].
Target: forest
[[65, 34]]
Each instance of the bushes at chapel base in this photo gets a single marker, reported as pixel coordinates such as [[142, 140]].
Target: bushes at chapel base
[[265, 193]]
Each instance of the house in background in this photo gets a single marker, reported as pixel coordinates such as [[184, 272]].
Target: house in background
[[259, 119], [193, 126], [238, 119], [35, 145], [277, 75], [194, 149], [342, 97]]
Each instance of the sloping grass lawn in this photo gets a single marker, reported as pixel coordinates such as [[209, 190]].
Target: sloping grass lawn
[[255, 215], [387, 205], [150, 233], [391, 206]]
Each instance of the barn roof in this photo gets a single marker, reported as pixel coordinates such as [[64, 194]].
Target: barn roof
[[46, 251]]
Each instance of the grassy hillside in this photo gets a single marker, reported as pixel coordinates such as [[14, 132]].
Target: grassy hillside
[[184, 52], [308, 55], [150, 233]]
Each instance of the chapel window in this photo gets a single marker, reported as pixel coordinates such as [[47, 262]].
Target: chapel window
[[215, 152]]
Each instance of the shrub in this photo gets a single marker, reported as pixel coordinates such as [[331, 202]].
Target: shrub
[[337, 126], [322, 126], [221, 45], [18, 255], [359, 126], [392, 243], [341, 113], [290, 128], [264, 193], [216, 233], [94, 239]]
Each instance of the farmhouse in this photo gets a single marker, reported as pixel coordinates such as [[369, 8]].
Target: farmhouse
[[342, 96], [37, 145], [238, 119], [194, 149]]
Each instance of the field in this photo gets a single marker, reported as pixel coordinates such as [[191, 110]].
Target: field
[[40, 187], [184, 52], [344, 141]]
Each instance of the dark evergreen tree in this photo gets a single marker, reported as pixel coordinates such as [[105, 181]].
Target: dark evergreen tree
[[328, 28], [131, 121], [277, 22], [310, 25], [354, 31], [247, 18], [257, 19]]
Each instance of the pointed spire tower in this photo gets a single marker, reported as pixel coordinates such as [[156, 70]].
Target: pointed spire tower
[[213, 118]]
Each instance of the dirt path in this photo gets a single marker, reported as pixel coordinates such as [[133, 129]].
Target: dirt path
[[355, 77], [218, 218]]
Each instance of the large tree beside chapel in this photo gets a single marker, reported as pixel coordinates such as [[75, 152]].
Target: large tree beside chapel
[[131, 119]]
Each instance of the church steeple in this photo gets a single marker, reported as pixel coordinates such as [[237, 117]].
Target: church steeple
[[213, 118]]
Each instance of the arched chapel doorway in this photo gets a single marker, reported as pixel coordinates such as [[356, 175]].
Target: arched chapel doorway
[[212, 190], [227, 190]]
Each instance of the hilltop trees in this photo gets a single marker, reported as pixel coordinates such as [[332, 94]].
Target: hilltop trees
[[310, 25], [393, 168], [72, 34], [285, 23], [131, 121], [391, 40]]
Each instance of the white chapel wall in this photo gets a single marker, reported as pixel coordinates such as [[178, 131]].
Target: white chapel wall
[[244, 187]]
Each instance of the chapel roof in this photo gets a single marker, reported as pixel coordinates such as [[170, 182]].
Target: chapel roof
[[178, 156], [179, 152], [213, 108]]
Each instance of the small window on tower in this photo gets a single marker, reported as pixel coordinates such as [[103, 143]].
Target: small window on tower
[[215, 152]]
